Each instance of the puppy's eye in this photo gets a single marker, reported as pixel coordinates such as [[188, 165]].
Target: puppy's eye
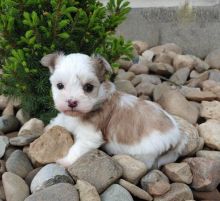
[[88, 87], [60, 86]]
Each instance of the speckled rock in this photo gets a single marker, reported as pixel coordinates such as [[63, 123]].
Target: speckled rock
[[97, 168], [209, 131], [210, 110], [205, 172]]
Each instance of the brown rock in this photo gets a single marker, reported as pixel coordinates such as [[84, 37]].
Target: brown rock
[[163, 58], [205, 172], [213, 59], [160, 89], [145, 89], [97, 168], [33, 126], [178, 172], [195, 94], [209, 131], [161, 68], [143, 78], [210, 110], [213, 155], [9, 109], [196, 82], [178, 192], [133, 169], [182, 61], [134, 190], [125, 76], [175, 103], [87, 192], [194, 74], [140, 46], [51, 146], [168, 47], [125, 86], [200, 65], [124, 64], [3, 102], [139, 69], [155, 183], [204, 196]]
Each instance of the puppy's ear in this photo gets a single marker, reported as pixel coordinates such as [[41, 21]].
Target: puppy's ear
[[101, 67], [51, 60]]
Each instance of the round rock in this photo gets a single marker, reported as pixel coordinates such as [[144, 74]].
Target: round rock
[[97, 168], [9, 124], [116, 193], [19, 164], [15, 187], [49, 175], [155, 182]]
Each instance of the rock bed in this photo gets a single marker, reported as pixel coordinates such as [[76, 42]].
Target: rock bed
[[184, 85]]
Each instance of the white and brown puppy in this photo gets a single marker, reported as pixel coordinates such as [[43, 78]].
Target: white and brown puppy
[[97, 114]]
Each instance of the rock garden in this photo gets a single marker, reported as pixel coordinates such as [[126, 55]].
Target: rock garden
[[184, 85]]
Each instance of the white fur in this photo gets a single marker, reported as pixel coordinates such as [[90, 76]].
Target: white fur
[[86, 137], [127, 100], [72, 71]]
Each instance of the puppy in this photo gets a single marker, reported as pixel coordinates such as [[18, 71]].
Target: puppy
[[99, 115]]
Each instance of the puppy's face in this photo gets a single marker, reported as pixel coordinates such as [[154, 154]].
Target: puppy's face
[[76, 81]]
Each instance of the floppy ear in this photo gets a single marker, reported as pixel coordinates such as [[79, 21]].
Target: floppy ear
[[101, 67], [51, 60]]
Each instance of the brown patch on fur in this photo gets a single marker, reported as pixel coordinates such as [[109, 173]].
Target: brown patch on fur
[[101, 66], [128, 124], [50, 60]]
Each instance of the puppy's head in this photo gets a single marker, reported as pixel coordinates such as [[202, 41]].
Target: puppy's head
[[77, 81]]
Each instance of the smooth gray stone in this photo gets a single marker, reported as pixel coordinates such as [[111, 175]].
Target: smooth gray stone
[[9, 124], [49, 175], [23, 140], [116, 193], [4, 142], [19, 164]]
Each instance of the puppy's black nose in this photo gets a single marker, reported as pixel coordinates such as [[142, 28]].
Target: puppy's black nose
[[72, 103]]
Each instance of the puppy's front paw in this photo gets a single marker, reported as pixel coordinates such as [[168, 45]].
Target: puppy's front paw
[[65, 162]]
